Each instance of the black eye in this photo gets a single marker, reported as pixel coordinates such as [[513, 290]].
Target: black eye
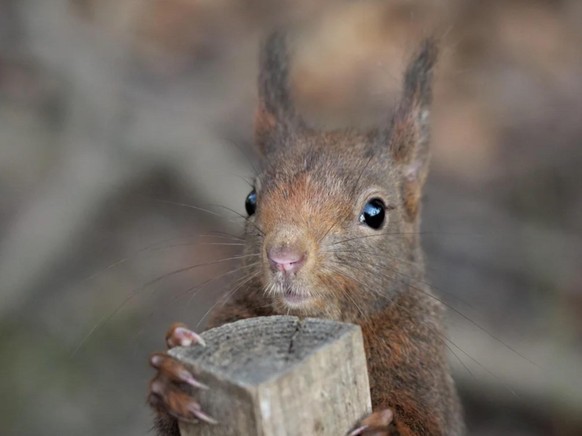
[[373, 213], [251, 202]]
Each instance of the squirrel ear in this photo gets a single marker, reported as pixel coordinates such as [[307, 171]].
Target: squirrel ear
[[275, 114], [409, 134]]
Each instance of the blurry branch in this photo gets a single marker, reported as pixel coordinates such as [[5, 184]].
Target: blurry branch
[[115, 134], [94, 165], [553, 382], [509, 248], [501, 268]]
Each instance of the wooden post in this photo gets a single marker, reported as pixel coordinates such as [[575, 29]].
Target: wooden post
[[280, 375]]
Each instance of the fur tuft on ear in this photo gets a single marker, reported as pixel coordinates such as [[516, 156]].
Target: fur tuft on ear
[[418, 77], [410, 125], [276, 113], [410, 129]]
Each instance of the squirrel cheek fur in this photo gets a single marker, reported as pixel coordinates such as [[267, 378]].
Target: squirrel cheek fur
[[313, 254]]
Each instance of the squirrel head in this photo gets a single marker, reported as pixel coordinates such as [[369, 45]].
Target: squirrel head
[[334, 215]]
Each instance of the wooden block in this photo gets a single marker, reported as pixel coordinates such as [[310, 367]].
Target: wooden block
[[281, 376]]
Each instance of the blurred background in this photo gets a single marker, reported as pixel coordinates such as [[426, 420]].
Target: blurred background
[[120, 120]]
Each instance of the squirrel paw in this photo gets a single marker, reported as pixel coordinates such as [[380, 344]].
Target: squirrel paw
[[375, 424], [180, 336], [171, 390]]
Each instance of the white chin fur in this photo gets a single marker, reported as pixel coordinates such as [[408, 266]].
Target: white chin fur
[[293, 296]]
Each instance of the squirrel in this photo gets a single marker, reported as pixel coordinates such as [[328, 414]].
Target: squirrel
[[333, 232]]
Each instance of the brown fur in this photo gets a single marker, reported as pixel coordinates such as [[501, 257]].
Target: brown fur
[[310, 193], [265, 123]]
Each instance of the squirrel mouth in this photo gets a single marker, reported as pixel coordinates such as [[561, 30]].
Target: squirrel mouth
[[295, 299], [293, 296], [290, 291]]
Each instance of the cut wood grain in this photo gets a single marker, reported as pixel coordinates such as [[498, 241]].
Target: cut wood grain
[[280, 375]]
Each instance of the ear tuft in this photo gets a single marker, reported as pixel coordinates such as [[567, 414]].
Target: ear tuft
[[410, 125], [418, 77], [276, 113], [274, 74]]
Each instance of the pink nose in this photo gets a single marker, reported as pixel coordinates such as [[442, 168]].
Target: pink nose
[[289, 260]]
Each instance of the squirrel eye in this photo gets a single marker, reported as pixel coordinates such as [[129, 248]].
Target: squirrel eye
[[373, 213], [251, 203]]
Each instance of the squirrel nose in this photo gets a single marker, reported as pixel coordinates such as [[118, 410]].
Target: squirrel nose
[[287, 259]]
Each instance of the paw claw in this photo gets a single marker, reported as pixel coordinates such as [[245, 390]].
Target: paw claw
[[358, 431], [180, 336], [199, 414], [187, 378]]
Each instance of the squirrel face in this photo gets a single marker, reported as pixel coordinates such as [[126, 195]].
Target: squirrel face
[[333, 216]]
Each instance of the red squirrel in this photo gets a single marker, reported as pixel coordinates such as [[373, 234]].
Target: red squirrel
[[333, 232]]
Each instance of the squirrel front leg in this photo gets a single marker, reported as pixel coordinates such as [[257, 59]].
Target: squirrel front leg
[[409, 378]]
